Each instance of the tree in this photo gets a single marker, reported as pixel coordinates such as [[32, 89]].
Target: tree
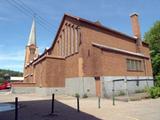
[[152, 37]]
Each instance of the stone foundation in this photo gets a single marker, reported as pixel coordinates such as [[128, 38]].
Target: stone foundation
[[86, 85]]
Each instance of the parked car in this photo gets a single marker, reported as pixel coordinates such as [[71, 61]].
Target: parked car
[[5, 85]]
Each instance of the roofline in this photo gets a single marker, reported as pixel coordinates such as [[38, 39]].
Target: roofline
[[106, 28], [48, 56], [94, 24]]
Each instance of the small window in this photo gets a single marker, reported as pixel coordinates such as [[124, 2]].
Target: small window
[[134, 65]]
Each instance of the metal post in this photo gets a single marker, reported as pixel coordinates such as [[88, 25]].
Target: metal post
[[99, 102], [16, 108], [78, 104], [126, 85], [113, 97], [52, 111]]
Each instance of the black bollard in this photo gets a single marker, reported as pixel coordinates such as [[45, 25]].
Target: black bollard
[[99, 102], [78, 104], [16, 108], [52, 111]]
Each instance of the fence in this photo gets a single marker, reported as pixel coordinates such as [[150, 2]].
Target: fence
[[125, 89]]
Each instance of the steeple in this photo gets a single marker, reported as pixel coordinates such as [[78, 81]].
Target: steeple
[[32, 36], [31, 48]]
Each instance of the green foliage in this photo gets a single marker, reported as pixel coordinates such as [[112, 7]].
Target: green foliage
[[1, 80], [152, 37], [154, 92], [77, 95], [140, 91], [121, 93], [158, 80], [3, 72]]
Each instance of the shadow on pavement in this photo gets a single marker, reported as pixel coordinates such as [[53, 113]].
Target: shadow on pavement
[[40, 109]]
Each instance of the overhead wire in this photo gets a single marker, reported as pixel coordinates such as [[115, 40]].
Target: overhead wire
[[31, 13]]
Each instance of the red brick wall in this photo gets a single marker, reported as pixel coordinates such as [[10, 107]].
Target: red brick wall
[[97, 62], [55, 73], [51, 72]]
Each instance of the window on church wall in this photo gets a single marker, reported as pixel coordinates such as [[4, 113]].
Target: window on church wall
[[72, 41], [63, 35], [58, 46], [70, 33], [134, 65], [66, 40], [61, 45], [32, 50], [69, 40], [76, 40]]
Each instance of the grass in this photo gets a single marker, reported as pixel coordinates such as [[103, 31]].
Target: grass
[[140, 91], [121, 93]]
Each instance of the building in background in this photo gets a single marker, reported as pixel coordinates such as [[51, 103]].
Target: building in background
[[16, 79], [84, 58]]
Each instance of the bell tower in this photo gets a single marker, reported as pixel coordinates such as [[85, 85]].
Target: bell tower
[[31, 48]]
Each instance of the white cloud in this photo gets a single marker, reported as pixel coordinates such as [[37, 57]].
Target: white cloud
[[17, 56]]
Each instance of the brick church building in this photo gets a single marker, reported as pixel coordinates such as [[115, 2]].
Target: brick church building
[[84, 58]]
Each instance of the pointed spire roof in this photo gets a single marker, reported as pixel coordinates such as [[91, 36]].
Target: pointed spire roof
[[32, 35]]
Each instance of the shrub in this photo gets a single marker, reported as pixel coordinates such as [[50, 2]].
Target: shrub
[[158, 81], [77, 95], [121, 93], [1, 80], [154, 92]]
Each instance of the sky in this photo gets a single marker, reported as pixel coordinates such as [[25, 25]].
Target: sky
[[15, 24]]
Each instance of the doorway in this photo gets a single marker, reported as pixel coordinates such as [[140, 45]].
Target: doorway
[[98, 86]]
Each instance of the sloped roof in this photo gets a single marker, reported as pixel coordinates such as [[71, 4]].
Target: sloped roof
[[93, 24], [78, 19]]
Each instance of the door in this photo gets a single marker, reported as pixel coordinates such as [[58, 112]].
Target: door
[[98, 86]]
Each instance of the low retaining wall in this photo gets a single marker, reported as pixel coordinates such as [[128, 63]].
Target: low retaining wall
[[20, 84], [27, 88], [23, 88], [49, 91]]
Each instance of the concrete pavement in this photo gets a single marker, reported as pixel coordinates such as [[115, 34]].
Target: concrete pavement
[[148, 109]]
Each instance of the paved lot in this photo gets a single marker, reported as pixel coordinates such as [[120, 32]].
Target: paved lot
[[35, 107]]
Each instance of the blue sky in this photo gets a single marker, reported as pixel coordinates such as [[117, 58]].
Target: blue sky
[[15, 25]]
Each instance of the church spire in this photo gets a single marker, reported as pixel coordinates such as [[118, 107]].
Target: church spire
[[31, 48], [32, 36]]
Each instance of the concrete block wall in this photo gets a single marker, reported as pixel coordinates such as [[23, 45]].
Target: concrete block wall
[[86, 85], [80, 85], [49, 91]]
